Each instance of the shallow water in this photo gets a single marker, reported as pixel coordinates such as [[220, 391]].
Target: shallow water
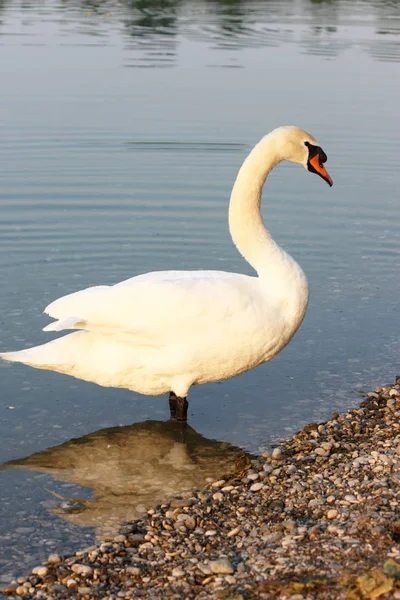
[[122, 129]]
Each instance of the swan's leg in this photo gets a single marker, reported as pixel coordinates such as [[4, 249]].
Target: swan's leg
[[172, 405], [178, 408]]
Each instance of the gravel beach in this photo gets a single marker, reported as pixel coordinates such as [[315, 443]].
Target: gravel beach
[[317, 518]]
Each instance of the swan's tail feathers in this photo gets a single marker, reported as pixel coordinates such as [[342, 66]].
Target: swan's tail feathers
[[67, 323], [32, 356], [12, 356], [52, 355]]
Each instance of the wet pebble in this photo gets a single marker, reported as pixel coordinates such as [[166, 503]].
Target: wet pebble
[[276, 454]]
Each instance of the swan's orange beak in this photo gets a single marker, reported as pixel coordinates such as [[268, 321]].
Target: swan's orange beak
[[318, 167]]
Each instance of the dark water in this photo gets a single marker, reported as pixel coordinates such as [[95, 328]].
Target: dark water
[[122, 127]]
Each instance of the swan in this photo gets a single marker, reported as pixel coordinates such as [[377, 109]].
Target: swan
[[165, 331]]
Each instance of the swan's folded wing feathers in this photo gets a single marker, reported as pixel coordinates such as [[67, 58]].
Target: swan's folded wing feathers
[[159, 305]]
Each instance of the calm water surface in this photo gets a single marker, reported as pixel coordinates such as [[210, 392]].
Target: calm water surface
[[122, 129]]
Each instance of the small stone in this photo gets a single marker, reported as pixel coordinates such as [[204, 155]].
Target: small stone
[[332, 513], [120, 538], [83, 570], [71, 583], [181, 502], [178, 572], [218, 496], [54, 559], [320, 451], [190, 522], [218, 484], [221, 566], [146, 546], [135, 571], [210, 533], [267, 468], [205, 569], [276, 453], [235, 531], [252, 476], [84, 590], [350, 498], [40, 571], [330, 499], [20, 590], [58, 588], [256, 487]]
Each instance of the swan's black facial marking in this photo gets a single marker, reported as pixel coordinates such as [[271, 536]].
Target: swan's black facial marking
[[316, 160]]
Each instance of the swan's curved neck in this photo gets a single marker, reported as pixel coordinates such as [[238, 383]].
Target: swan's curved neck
[[246, 225]]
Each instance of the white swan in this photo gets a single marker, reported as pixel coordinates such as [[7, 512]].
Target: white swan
[[166, 331]]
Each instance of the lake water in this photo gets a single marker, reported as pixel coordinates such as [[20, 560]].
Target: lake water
[[123, 125]]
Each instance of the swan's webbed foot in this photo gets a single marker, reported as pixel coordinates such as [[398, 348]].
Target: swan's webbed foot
[[178, 408]]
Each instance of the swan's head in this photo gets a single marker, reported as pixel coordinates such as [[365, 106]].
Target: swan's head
[[298, 146]]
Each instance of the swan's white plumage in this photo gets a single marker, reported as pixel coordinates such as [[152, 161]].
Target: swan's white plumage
[[168, 330]]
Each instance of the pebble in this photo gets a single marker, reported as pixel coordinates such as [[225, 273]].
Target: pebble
[[218, 496], [58, 588], [83, 570], [350, 498], [135, 571], [218, 484], [205, 569], [20, 590], [54, 559], [276, 454], [222, 566], [181, 503], [40, 571], [190, 522], [227, 488], [332, 513], [234, 531], [256, 487], [177, 572]]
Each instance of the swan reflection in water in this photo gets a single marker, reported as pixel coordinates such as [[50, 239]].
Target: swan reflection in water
[[132, 468]]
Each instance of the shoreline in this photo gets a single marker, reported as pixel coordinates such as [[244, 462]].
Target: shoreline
[[317, 518]]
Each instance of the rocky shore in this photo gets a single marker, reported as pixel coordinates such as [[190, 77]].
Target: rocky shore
[[317, 518]]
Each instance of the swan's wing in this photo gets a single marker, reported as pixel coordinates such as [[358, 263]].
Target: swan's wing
[[161, 305]]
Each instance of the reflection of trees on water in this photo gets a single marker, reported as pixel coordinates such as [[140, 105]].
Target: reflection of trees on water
[[155, 25], [132, 468]]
